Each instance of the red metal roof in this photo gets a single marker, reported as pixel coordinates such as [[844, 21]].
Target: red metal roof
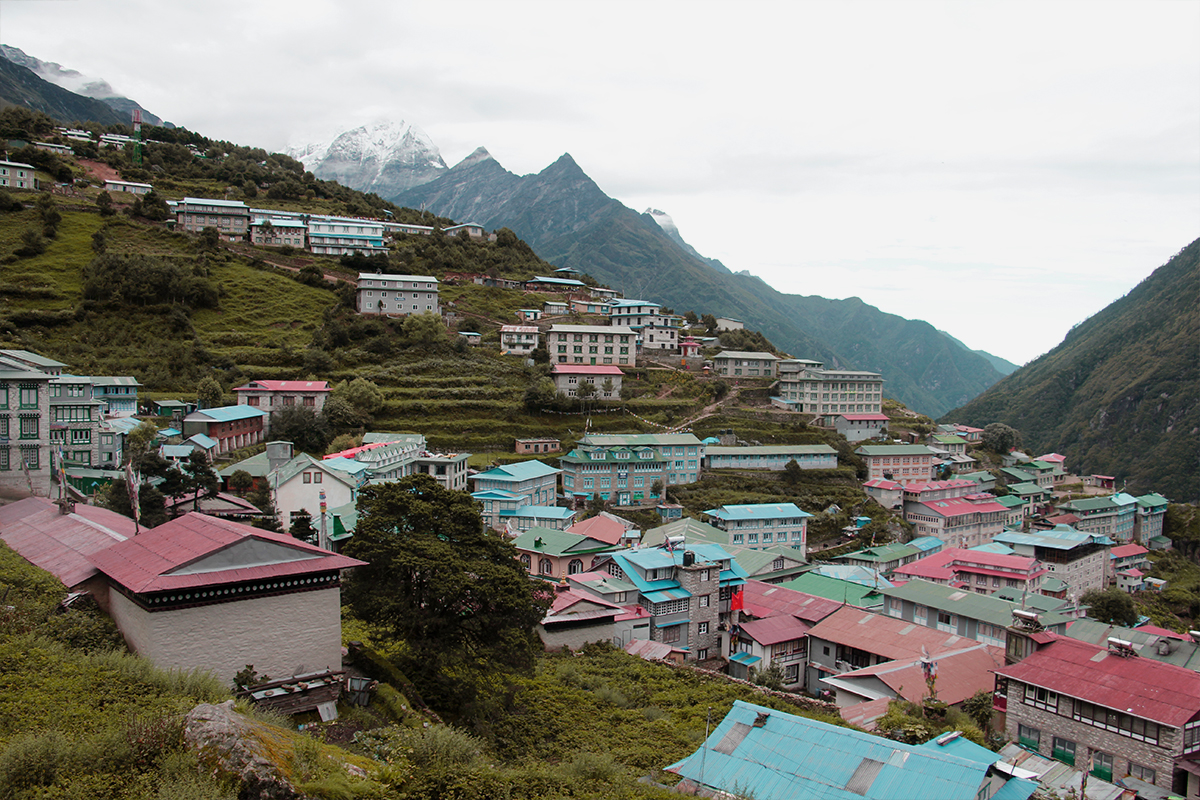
[[773, 630], [61, 543], [889, 637], [600, 528], [763, 600], [961, 673], [146, 562], [1127, 550], [284, 386], [866, 417], [1143, 687], [960, 506]]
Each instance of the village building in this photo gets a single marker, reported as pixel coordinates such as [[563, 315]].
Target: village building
[[980, 617], [903, 464], [771, 457], [738, 364], [885, 559], [508, 488], [860, 427], [1111, 515], [16, 175], [340, 236], [605, 381], [763, 524], [686, 592], [230, 218], [624, 468], [118, 395], [538, 445], [977, 570], [519, 340], [958, 521], [814, 759], [127, 187], [1148, 522], [830, 393], [396, 295], [1078, 559], [232, 427], [771, 563], [278, 233], [1102, 707], [554, 554], [592, 345], [272, 396], [25, 420]]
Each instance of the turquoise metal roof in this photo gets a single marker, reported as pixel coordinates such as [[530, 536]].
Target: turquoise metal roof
[[230, 413], [758, 511], [771, 755], [520, 471], [744, 658], [663, 596], [544, 512]]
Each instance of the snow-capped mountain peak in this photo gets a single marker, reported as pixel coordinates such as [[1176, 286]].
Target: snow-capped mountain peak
[[384, 157]]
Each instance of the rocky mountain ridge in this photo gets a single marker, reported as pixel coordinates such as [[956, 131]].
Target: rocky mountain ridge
[[384, 158]]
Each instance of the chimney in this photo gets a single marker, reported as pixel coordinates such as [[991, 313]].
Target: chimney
[[278, 454]]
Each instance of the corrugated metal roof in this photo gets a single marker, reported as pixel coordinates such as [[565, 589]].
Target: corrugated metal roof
[[772, 755], [519, 471], [961, 673], [225, 414], [758, 511], [61, 543], [892, 638], [773, 630], [1152, 690], [765, 600], [152, 560]]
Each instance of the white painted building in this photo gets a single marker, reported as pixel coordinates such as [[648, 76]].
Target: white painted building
[[397, 295]]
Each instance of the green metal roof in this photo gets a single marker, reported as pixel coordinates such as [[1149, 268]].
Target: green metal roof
[[834, 589], [986, 608]]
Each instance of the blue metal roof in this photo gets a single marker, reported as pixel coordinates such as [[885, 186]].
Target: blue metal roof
[[744, 658], [772, 755], [497, 494], [520, 471], [207, 442], [544, 512], [230, 413], [676, 593], [758, 511]]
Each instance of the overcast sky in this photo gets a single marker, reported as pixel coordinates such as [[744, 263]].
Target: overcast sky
[[1001, 169]]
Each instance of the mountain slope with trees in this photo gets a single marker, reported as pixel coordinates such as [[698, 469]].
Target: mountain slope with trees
[[1119, 395], [21, 87], [570, 221]]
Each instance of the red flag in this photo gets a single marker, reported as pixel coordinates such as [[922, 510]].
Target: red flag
[[736, 601]]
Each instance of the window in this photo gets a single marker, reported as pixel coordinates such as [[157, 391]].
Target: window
[[705, 575], [701, 628], [31, 457], [1141, 773], [3, 395], [1102, 765], [29, 395], [704, 600], [670, 635], [1029, 737], [29, 427], [308, 477], [1041, 698], [1064, 750], [575, 567], [1124, 724], [702, 654], [546, 567]]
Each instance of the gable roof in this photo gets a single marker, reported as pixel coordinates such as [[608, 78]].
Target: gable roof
[[961, 673], [889, 637], [299, 463], [284, 386], [834, 589], [548, 541], [773, 755], [773, 630], [992, 609], [1162, 693], [767, 599], [196, 550], [756, 511], [61, 543], [519, 471], [225, 414], [601, 528]]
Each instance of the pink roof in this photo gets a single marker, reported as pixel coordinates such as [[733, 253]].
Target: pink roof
[[935, 567], [600, 528], [1052, 458], [566, 599], [1146, 688], [1063, 519], [936, 486], [1131, 573], [889, 637], [945, 565], [764, 600], [774, 630], [353, 451], [960, 506], [865, 417], [1127, 550], [880, 483], [146, 562], [961, 673], [585, 369], [284, 386], [865, 715], [61, 543], [649, 650], [1157, 631]]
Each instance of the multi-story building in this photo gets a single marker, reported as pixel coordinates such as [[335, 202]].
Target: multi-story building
[[397, 295], [1151, 510], [763, 524], [605, 380], [75, 420], [739, 364], [24, 427], [271, 396], [1112, 515], [958, 521], [15, 175], [771, 457], [981, 617], [638, 314], [448, 469], [507, 489], [980, 571], [592, 344], [554, 554], [276, 232], [904, 464], [885, 559], [672, 457], [519, 340], [828, 392], [231, 218], [1102, 709], [1127, 556], [1078, 559], [337, 236], [687, 592], [117, 395], [232, 427]]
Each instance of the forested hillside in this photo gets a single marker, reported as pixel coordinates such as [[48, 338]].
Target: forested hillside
[[1121, 394]]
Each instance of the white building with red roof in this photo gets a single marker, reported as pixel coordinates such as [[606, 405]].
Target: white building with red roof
[[605, 379], [204, 593], [1103, 707], [272, 396], [61, 543], [860, 427], [978, 570]]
